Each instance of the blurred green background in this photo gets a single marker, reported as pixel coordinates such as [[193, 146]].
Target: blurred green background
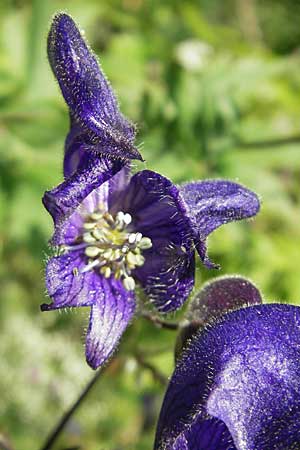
[[215, 90]]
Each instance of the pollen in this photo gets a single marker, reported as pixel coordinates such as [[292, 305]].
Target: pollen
[[111, 247]]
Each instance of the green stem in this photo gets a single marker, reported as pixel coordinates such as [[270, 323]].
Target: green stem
[[53, 436], [160, 322]]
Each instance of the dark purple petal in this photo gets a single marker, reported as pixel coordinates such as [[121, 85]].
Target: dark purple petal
[[213, 203], [167, 279], [158, 213], [180, 444], [76, 151], [243, 372], [93, 106], [117, 185], [109, 318], [64, 198]]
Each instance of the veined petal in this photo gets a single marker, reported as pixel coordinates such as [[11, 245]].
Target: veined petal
[[242, 374], [64, 199], [67, 285], [93, 106], [110, 315], [213, 203], [158, 213], [70, 227]]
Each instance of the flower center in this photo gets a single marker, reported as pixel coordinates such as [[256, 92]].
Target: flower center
[[111, 248]]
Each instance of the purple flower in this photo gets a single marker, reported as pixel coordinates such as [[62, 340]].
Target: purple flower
[[237, 385], [114, 230], [97, 126]]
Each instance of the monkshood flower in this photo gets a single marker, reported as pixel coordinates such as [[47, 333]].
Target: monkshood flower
[[97, 126], [237, 384], [114, 230]]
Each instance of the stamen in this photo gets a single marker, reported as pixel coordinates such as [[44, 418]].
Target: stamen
[[131, 238], [129, 283], [98, 234], [145, 243], [90, 266], [73, 247], [138, 237], [92, 251], [106, 271], [87, 237], [108, 254], [110, 247], [127, 218], [109, 219], [96, 216], [89, 225]]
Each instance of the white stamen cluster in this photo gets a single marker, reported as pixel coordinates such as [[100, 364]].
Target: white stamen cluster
[[111, 248]]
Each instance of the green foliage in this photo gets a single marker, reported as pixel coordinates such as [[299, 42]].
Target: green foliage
[[202, 85]]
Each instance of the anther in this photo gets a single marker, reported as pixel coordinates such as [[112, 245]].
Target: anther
[[92, 251], [109, 219], [96, 216], [120, 216], [131, 238], [106, 271], [145, 243], [134, 259], [89, 225], [138, 237], [129, 283], [110, 248], [98, 234], [87, 237], [140, 260], [127, 218], [108, 254]]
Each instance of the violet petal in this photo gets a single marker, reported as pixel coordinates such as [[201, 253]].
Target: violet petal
[[67, 286], [70, 227], [110, 315], [213, 203], [158, 213], [64, 198], [76, 150]]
